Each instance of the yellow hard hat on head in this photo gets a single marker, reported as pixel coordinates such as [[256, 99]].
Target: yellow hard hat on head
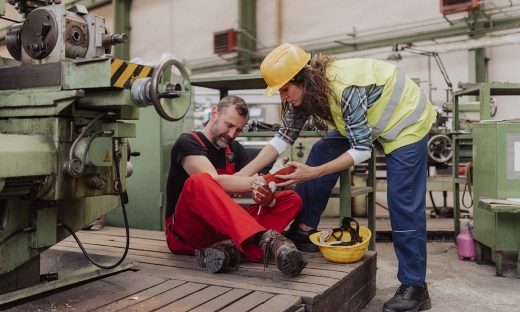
[[281, 65]]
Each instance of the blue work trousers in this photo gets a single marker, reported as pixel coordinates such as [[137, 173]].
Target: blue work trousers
[[406, 195], [315, 193], [406, 169]]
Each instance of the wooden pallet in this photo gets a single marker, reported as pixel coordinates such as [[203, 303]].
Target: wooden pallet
[[167, 282]]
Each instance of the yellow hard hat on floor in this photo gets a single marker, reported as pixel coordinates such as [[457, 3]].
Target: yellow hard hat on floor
[[281, 65], [343, 245]]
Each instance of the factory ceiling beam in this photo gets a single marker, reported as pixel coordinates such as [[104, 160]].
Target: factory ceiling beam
[[455, 28], [447, 32]]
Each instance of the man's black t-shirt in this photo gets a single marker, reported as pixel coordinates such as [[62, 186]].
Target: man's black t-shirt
[[188, 145]]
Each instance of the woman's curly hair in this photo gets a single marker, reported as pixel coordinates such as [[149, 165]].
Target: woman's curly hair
[[316, 92]]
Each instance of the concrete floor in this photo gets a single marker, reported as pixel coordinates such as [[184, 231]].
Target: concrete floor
[[454, 285]]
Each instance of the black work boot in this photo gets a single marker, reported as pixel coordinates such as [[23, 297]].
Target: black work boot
[[301, 238], [409, 299], [219, 256], [287, 258]]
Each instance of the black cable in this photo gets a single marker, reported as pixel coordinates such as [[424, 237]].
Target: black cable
[[117, 158], [8, 19], [437, 211], [89, 141], [8, 237]]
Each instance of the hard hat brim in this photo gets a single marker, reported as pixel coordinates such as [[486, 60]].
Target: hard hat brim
[[270, 91]]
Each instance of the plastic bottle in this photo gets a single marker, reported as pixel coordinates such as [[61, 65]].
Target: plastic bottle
[[466, 247]]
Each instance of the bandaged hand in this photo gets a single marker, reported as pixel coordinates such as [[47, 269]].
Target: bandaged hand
[[279, 168], [263, 194]]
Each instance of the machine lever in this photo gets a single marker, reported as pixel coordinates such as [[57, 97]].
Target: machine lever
[[169, 95]]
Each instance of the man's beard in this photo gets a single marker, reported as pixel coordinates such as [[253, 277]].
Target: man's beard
[[218, 138]]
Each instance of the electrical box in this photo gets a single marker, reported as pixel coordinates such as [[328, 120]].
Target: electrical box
[[225, 41], [457, 6], [496, 172]]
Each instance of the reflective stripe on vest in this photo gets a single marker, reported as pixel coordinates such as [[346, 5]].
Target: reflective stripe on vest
[[407, 121], [395, 98], [391, 106]]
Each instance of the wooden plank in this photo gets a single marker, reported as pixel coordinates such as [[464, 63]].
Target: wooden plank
[[196, 299], [137, 298], [325, 273], [283, 303], [322, 286], [267, 284], [167, 297], [316, 261], [334, 300], [361, 298], [248, 302], [93, 295], [222, 301]]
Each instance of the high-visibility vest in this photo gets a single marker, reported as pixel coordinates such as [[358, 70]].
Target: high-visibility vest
[[402, 115]]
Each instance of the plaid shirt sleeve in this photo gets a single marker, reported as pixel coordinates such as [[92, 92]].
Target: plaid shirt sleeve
[[354, 105], [291, 127]]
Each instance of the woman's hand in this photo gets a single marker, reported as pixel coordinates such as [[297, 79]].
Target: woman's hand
[[301, 174]]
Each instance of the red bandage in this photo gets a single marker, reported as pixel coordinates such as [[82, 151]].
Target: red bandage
[[279, 168]]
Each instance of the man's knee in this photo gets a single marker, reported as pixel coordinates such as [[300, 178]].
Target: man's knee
[[290, 196], [198, 179]]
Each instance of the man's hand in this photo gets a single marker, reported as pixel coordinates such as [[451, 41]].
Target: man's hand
[[263, 194], [280, 167]]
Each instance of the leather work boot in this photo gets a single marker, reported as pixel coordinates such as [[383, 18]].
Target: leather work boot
[[287, 258], [301, 238], [218, 256], [409, 299]]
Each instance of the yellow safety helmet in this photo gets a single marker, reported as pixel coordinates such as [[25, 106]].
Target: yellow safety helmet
[[343, 245], [281, 65]]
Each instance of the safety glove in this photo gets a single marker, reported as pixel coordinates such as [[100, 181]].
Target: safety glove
[[280, 167], [263, 194]]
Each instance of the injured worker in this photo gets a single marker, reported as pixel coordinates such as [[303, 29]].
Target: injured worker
[[203, 220]]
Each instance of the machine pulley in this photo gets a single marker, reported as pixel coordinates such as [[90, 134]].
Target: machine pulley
[[170, 94], [440, 148]]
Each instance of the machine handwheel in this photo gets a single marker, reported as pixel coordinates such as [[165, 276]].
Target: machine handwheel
[[440, 148], [170, 94]]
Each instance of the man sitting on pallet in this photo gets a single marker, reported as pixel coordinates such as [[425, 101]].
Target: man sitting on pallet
[[201, 216]]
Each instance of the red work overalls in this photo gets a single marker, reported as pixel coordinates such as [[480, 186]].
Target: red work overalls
[[205, 214]]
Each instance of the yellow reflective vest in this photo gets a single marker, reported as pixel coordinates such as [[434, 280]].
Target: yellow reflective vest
[[402, 115]]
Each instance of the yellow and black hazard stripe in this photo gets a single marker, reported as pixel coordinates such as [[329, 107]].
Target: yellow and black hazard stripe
[[123, 74]]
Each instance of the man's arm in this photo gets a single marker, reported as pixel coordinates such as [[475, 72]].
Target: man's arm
[[232, 184], [267, 156]]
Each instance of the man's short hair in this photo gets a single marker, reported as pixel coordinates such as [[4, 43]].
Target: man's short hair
[[238, 103]]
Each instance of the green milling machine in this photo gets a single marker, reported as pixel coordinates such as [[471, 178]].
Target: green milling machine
[[64, 153]]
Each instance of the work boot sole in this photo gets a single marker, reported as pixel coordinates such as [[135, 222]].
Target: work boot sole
[[216, 260], [290, 262], [427, 305], [200, 257]]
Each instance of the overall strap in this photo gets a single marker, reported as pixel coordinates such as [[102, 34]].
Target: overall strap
[[230, 164]]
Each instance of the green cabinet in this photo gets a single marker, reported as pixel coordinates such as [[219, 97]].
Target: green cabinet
[[496, 171]]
